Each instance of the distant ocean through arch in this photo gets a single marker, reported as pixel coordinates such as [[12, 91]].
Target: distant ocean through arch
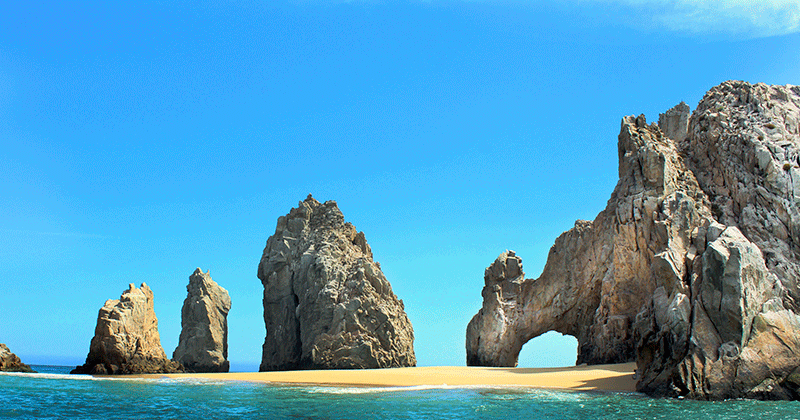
[[53, 393]]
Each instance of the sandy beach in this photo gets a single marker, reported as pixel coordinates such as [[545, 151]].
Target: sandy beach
[[617, 377]]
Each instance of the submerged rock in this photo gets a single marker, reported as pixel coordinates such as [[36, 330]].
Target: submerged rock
[[126, 339], [691, 270], [327, 305], [9, 362], [203, 345]]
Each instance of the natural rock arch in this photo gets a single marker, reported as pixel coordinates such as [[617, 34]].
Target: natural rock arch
[[691, 269], [549, 350]]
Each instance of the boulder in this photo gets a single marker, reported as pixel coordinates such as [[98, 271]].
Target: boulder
[[690, 270], [126, 339], [327, 305], [9, 362], [203, 344]]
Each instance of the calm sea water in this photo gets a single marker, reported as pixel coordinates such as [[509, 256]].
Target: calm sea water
[[54, 394]]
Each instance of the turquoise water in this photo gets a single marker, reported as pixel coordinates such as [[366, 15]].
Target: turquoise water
[[53, 394]]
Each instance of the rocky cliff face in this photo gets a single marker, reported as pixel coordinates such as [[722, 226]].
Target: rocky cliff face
[[327, 305], [126, 339], [690, 270], [203, 344], [9, 362]]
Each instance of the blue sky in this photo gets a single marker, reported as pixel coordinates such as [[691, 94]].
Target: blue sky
[[142, 140]]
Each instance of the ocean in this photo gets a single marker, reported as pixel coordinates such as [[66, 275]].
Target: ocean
[[54, 394]]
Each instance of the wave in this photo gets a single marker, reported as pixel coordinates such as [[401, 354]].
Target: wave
[[76, 377], [334, 389]]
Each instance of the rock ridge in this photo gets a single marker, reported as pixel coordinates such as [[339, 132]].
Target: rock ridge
[[691, 269], [203, 343], [327, 304], [126, 339]]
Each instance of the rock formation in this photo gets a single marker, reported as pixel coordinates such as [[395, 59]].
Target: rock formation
[[327, 305], [675, 122], [9, 362], [203, 345], [126, 339], [691, 269]]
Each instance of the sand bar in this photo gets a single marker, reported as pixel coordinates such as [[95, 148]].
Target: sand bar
[[617, 377]]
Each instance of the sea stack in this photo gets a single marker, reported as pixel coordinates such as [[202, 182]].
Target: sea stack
[[203, 345], [692, 268], [126, 339], [327, 305], [9, 362]]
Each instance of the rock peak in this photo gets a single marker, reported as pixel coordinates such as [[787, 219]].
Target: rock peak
[[326, 302], [203, 343], [674, 123], [126, 339]]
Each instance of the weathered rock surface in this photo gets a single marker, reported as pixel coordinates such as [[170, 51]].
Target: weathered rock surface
[[9, 362], [203, 344], [675, 122], [691, 270], [327, 305], [126, 339]]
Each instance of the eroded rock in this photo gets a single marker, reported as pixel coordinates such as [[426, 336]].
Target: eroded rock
[[327, 305], [9, 362], [203, 344], [691, 270], [126, 339]]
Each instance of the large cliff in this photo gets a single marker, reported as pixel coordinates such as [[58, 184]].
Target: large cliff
[[126, 339], [203, 343], [691, 269], [327, 305]]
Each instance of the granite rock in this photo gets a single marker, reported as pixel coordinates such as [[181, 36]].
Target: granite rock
[[126, 339], [690, 270], [9, 362], [675, 122], [327, 305], [203, 344]]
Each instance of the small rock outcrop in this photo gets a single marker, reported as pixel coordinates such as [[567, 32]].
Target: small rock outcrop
[[691, 270], [9, 362], [203, 345], [327, 305], [126, 339]]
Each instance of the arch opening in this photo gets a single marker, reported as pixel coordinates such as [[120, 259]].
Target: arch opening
[[551, 349]]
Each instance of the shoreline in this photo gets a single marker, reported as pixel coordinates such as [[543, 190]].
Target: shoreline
[[613, 378]]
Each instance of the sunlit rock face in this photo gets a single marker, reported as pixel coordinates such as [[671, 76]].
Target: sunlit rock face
[[9, 362], [203, 344], [691, 270], [327, 305], [126, 339]]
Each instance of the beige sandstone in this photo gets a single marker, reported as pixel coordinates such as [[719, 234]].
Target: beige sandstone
[[126, 339]]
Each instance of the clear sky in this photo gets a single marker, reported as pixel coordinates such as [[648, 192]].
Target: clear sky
[[141, 140]]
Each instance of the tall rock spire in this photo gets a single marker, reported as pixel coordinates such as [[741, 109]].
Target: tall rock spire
[[327, 305], [203, 344]]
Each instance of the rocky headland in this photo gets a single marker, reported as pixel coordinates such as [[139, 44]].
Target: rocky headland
[[126, 339], [691, 270], [203, 344], [327, 305], [9, 362]]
